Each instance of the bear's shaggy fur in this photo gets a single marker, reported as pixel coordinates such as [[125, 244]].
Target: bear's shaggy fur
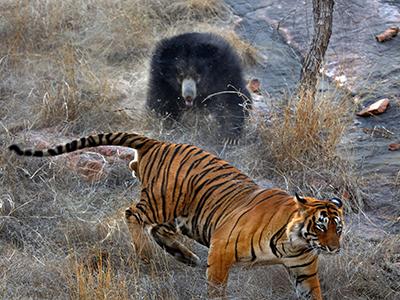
[[187, 68]]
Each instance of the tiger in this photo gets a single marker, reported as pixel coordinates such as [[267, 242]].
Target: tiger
[[187, 190]]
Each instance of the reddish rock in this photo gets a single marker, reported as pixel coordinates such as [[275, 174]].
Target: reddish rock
[[91, 170], [127, 157], [113, 152], [388, 34], [394, 147], [91, 166], [376, 108], [41, 144], [254, 86], [106, 150]]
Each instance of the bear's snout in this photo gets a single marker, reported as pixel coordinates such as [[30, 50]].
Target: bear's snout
[[189, 91]]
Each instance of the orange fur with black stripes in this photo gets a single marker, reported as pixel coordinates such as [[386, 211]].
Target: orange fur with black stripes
[[184, 187]]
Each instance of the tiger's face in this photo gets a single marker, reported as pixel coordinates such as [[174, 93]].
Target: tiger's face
[[320, 223]]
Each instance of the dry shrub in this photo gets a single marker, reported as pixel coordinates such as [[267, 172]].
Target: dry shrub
[[95, 279], [301, 142], [99, 275], [79, 96], [306, 133], [249, 55], [199, 10], [122, 31], [103, 27], [56, 61]]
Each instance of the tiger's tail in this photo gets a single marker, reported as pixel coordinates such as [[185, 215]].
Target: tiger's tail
[[124, 139]]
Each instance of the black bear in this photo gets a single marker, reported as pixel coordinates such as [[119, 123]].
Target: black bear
[[199, 70]]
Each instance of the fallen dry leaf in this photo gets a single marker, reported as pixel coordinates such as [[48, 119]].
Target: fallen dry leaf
[[375, 108], [387, 34], [394, 146], [254, 86]]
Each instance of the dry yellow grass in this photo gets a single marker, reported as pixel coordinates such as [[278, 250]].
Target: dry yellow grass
[[72, 67], [300, 145], [95, 279], [200, 10], [306, 131], [249, 55]]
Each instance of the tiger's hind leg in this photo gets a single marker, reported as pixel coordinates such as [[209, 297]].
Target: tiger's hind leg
[[164, 234], [166, 237], [140, 237]]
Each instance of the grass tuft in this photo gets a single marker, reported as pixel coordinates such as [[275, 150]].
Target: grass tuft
[[95, 279], [248, 54], [300, 144]]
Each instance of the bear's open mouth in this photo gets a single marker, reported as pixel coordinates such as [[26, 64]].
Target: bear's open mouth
[[189, 91], [189, 101]]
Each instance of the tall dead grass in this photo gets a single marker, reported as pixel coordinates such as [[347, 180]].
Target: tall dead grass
[[301, 141], [76, 66], [200, 10], [249, 55], [307, 131], [64, 60], [96, 280]]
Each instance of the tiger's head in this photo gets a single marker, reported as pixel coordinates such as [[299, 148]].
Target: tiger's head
[[318, 224]]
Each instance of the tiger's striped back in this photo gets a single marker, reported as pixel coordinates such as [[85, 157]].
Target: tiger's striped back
[[189, 185]]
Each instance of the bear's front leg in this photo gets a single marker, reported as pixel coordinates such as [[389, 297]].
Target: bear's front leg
[[230, 117]]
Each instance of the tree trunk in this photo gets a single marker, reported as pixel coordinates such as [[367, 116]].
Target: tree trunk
[[323, 16]]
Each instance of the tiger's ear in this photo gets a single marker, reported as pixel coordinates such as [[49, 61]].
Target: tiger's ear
[[301, 202], [337, 202]]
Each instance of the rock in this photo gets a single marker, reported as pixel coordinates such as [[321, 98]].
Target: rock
[[376, 108], [39, 140], [90, 166], [394, 147], [91, 170], [388, 34], [106, 150], [114, 152]]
